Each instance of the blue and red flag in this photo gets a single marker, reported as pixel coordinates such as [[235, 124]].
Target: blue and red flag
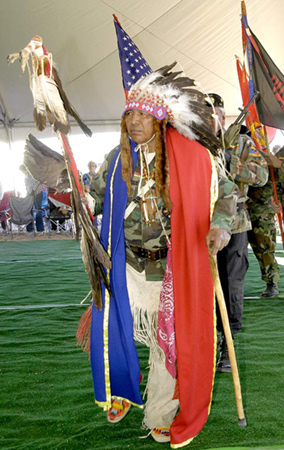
[[133, 64]]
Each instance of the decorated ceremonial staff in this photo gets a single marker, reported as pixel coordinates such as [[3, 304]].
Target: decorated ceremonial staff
[[51, 102]]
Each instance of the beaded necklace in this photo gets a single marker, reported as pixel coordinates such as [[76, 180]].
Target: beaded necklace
[[145, 170], [148, 201]]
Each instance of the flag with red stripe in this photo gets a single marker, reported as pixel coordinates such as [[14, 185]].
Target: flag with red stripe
[[133, 64]]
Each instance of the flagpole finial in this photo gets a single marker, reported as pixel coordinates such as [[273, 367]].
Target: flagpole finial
[[116, 19], [244, 9]]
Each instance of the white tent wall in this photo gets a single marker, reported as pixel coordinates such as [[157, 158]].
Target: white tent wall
[[203, 36]]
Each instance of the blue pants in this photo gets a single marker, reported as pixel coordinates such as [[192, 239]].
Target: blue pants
[[38, 218]]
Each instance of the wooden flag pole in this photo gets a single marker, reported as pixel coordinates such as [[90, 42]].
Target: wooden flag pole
[[228, 335]]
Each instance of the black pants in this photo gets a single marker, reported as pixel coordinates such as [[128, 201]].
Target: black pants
[[232, 266]]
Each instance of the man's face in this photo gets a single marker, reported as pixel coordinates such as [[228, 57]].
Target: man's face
[[92, 168], [139, 125]]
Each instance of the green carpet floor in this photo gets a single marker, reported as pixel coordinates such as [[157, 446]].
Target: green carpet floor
[[46, 396]]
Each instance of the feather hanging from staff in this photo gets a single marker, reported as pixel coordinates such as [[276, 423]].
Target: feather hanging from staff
[[49, 167], [45, 165], [50, 99]]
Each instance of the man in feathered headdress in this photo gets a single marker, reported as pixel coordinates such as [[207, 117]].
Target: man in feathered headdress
[[161, 194]]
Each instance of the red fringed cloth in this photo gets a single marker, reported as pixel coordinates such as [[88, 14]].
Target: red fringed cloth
[[190, 192]]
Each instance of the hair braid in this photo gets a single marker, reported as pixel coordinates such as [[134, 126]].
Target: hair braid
[[162, 162], [126, 157]]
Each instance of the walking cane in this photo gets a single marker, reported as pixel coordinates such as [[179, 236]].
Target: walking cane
[[228, 335]]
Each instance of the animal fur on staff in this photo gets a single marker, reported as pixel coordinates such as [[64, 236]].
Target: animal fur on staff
[[51, 101]]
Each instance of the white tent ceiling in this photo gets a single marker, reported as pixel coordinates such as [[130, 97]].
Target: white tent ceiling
[[202, 35]]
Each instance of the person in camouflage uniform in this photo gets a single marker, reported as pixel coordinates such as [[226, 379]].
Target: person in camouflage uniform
[[147, 229], [246, 168], [262, 237]]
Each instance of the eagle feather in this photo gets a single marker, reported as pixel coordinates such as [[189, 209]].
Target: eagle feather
[[45, 165]]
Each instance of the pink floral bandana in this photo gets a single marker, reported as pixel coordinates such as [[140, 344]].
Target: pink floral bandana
[[166, 324]]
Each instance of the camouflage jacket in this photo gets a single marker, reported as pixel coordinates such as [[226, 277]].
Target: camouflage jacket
[[260, 202], [139, 234], [247, 168]]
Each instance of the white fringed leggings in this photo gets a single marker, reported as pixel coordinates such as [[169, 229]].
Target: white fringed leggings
[[144, 297]]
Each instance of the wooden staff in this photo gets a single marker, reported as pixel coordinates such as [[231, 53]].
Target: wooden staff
[[228, 336]]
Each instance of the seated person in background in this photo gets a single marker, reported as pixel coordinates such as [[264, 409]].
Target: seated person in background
[[58, 216], [59, 211], [3, 221]]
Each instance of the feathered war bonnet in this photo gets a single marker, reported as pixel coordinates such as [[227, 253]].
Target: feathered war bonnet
[[176, 101]]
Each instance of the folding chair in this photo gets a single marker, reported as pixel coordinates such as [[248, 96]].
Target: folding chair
[[21, 208], [60, 220], [60, 213]]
